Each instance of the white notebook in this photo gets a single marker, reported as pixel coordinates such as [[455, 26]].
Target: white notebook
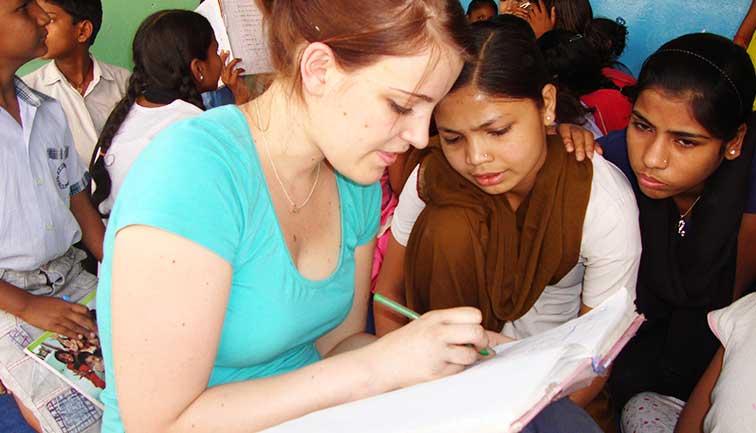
[[501, 394]]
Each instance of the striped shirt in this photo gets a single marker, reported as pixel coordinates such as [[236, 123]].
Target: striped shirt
[[39, 172]]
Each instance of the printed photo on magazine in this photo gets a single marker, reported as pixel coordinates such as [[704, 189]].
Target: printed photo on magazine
[[78, 362]]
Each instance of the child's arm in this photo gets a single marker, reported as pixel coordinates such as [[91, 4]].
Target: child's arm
[[698, 405], [745, 32], [45, 312], [92, 229], [390, 284]]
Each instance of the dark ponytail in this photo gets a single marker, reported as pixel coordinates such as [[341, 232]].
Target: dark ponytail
[[163, 49]]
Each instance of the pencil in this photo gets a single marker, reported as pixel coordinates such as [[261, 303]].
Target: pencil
[[406, 312]]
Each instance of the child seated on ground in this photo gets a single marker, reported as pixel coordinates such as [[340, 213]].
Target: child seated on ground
[[44, 210], [86, 88]]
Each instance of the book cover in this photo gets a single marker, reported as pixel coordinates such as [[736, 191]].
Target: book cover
[[78, 362]]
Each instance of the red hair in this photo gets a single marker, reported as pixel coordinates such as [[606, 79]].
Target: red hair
[[360, 32]]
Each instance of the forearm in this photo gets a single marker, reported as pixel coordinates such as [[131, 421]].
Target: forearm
[[745, 31], [92, 229], [586, 395], [692, 416], [257, 404], [13, 300], [354, 342], [390, 284]]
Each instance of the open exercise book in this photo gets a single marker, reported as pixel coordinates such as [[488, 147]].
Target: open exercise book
[[501, 394], [78, 362], [238, 28]]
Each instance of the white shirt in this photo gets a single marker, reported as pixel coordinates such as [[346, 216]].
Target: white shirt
[[609, 251], [733, 400], [141, 125], [86, 115], [39, 172]]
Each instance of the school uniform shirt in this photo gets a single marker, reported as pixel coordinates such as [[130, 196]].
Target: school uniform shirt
[[141, 125], [39, 172], [86, 114], [733, 400], [609, 252]]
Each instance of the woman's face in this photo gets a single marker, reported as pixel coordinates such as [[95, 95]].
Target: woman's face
[[375, 113], [497, 144], [669, 151]]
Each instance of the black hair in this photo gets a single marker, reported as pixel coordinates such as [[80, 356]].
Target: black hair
[[81, 10], [74, 360], [480, 4], [611, 37], [573, 62], [164, 46], [573, 15], [492, 70], [713, 72]]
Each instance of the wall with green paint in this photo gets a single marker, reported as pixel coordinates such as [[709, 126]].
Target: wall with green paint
[[121, 18]]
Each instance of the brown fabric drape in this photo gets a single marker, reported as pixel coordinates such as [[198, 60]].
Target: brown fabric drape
[[470, 248]]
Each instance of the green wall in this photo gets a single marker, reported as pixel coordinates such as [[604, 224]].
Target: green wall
[[120, 21]]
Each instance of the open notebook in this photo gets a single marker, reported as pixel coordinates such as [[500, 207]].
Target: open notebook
[[238, 28], [501, 394]]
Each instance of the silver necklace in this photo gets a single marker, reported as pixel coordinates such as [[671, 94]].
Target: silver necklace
[[293, 207], [681, 222]]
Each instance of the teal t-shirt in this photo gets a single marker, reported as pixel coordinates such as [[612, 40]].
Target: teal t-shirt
[[202, 179]]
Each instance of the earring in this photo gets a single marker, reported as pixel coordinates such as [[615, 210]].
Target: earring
[[202, 77], [732, 151], [548, 118]]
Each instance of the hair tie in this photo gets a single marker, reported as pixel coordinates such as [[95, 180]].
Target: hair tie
[[714, 65], [620, 21], [577, 37]]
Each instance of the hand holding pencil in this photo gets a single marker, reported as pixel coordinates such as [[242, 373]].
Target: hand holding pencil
[[436, 344]]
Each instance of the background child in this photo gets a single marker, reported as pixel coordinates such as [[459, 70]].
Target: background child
[[175, 60], [481, 10], [86, 88], [43, 212]]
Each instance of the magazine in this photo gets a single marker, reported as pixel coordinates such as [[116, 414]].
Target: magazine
[[78, 362]]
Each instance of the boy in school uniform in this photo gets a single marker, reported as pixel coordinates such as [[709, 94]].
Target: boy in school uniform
[[44, 210], [87, 88]]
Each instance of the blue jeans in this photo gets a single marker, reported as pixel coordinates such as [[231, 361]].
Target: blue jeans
[[562, 416]]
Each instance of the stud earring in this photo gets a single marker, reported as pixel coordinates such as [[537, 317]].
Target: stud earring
[[548, 118], [732, 151], [202, 77]]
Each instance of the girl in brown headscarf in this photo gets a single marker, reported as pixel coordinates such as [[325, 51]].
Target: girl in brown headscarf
[[501, 216]]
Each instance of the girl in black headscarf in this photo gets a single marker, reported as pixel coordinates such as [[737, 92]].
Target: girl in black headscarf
[[686, 155]]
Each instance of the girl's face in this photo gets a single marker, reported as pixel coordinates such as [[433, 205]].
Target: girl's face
[[213, 67], [367, 117], [481, 14], [669, 151], [497, 144]]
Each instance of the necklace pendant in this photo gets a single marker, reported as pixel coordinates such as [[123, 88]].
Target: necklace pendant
[[681, 228], [294, 209]]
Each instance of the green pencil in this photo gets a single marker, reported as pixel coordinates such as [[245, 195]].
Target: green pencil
[[406, 312]]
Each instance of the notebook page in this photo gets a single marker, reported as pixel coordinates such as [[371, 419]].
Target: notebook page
[[244, 22], [487, 397], [210, 9], [490, 396]]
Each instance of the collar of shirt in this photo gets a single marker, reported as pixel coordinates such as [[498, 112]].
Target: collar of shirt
[[51, 75]]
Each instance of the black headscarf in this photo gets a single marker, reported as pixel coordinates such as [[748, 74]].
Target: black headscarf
[[681, 279]]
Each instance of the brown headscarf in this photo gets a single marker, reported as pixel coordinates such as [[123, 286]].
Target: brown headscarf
[[468, 247]]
